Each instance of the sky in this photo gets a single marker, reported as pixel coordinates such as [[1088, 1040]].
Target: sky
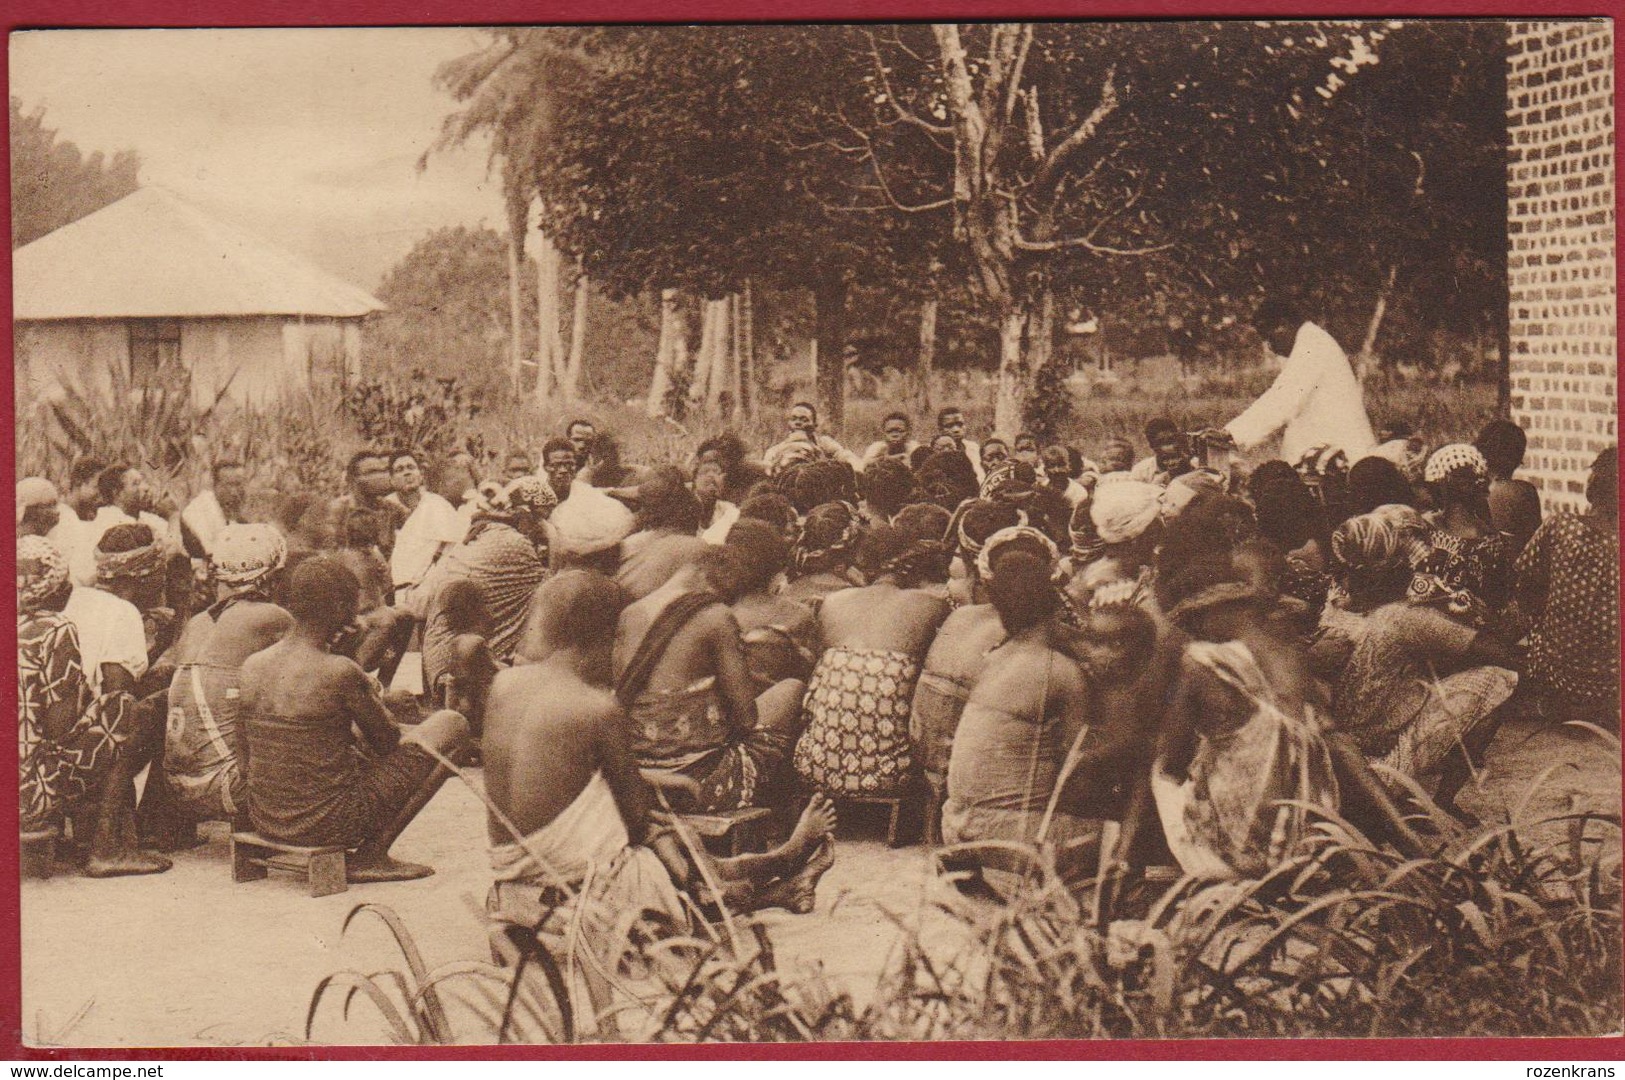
[[307, 137]]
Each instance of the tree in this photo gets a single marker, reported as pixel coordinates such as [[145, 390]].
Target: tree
[[53, 183], [448, 313]]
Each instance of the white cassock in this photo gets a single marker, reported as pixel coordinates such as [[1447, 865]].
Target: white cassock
[[1315, 398]]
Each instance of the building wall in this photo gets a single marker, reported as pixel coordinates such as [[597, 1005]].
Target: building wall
[[255, 360], [1560, 259]]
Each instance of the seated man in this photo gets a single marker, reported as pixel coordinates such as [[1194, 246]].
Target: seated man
[[311, 781], [560, 774], [76, 748], [681, 675], [199, 761]]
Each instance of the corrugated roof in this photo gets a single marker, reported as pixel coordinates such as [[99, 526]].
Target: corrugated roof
[[153, 255]]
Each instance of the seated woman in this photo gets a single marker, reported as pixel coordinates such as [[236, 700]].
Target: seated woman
[[199, 778], [857, 708], [821, 563], [682, 677], [1568, 586], [1022, 717], [1468, 561], [780, 636], [1242, 757], [1417, 682], [505, 557], [323, 761], [75, 749], [568, 798]]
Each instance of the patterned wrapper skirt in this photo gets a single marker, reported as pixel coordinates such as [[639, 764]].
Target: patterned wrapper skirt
[[856, 713]]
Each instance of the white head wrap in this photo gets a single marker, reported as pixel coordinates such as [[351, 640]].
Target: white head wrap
[[1123, 510], [589, 522]]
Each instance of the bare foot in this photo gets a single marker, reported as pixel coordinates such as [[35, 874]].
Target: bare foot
[[817, 821], [385, 869], [799, 893], [126, 864]]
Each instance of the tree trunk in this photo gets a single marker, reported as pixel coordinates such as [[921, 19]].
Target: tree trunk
[[717, 367], [747, 351], [549, 342], [1362, 362], [578, 336], [829, 299], [928, 349], [516, 301], [1014, 374], [666, 352]]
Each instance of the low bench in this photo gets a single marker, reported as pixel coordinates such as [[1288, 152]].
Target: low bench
[[36, 849], [734, 832], [893, 803], [253, 857]]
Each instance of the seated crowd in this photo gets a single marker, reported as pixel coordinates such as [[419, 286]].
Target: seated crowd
[[1028, 643]]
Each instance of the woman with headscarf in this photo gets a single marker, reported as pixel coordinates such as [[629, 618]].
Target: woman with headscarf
[[1243, 759], [968, 531], [199, 775], [505, 557], [74, 747], [960, 651], [1417, 681], [1290, 518], [1568, 587], [1126, 515], [1469, 562], [821, 562], [856, 738]]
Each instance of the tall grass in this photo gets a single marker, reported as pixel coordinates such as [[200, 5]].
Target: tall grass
[[1512, 929]]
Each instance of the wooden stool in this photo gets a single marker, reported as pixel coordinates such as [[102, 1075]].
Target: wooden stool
[[734, 832], [893, 802], [253, 856], [36, 849]]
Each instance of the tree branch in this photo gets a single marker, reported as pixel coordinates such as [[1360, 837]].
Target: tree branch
[[1084, 131], [891, 97], [880, 177], [1023, 244], [1012, 88]]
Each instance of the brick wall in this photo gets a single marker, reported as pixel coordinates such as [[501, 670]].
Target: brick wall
[[1560, 248]]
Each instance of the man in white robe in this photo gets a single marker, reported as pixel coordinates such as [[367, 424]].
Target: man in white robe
[[1314, 400]]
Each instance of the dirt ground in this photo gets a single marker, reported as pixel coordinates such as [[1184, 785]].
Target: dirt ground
[[189, 958]]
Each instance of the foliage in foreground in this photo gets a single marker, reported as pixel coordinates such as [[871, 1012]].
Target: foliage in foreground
[[1509, 930]]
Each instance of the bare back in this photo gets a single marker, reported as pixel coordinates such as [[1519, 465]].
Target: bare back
[[882, 616], [547, 733], [242, 630]]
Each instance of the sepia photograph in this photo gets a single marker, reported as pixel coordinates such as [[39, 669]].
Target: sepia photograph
[[909, 532]]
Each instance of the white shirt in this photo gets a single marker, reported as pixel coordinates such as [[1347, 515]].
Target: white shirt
[[109, 516], [110, 632], [723, 516], [204, 518], [1315, 398], [432, 524], [77, 542]]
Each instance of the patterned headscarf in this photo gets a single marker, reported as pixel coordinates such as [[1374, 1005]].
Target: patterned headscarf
[[42, 571], [1123, 510], [1388, 538], [1004, 477], [1448, 459], [984, 558], [526, 494], [135, 564], [976, 521], [245, 555]]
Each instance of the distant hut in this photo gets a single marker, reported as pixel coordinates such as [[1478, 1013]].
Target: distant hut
[[155, 289]]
